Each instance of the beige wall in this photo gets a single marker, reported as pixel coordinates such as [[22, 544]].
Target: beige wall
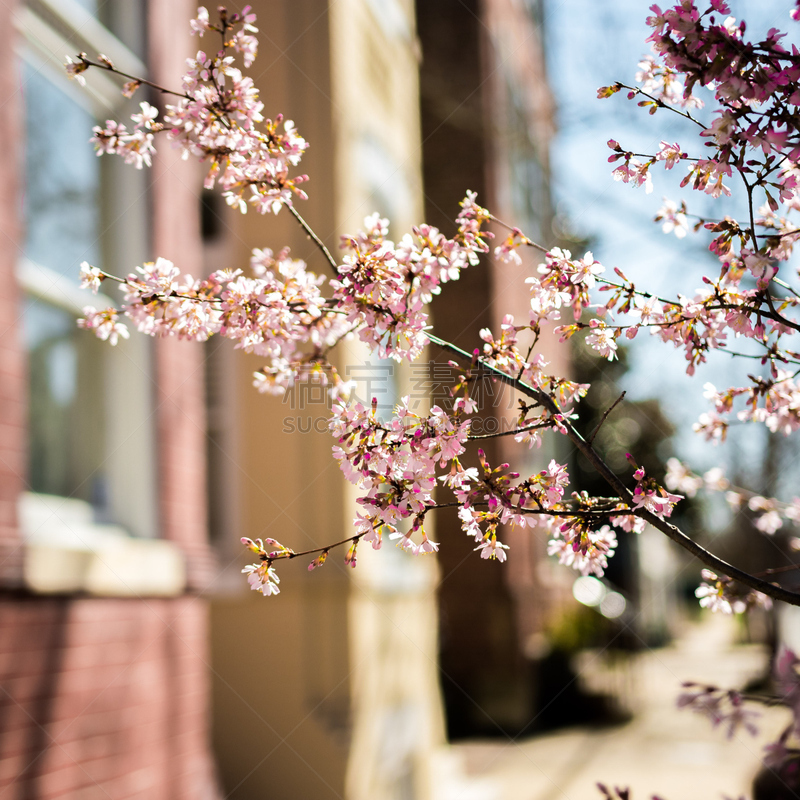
[[329, 689], [397, 721]]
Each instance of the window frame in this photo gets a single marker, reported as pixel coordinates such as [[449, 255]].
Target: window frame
[[48, 30]]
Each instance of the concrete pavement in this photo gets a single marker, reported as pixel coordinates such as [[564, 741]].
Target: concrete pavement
[[672, 753]]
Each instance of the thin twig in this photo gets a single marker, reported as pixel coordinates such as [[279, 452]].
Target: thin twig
[[292, 554], [319, 243], [512, 432], [662, 104], [776, 570], [112, 68], [523, 238], [605, 417]]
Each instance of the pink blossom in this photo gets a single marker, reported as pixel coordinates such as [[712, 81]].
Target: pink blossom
[[721, 707], [585, 551], [706, 175], [636, 173], [104, 323], [262, 578], [75, 69], [200, 24], [715, 480], [491, 548], [602, 340], [91, 277], [553, 481], [652, 497], [674, 218], [681, 479], [769, 522], [670, 154], [721, 594]]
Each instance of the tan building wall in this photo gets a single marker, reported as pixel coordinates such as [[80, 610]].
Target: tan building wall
[[397, 723], [329, 689]]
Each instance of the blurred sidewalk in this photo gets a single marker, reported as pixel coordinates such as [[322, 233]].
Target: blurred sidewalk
[[674, 754]]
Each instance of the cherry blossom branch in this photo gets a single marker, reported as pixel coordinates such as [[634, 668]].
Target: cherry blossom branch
[[165, 298], [753, 235], [600, 466], [517, 232], [513, 432], [652, 158], [660, 103], [773, 354], [786, 285], [583, 513], [313, 236], [290, 554], [382, 290], [605, 417], [769, 314], [777, 570], [106, 64], [631, 290]]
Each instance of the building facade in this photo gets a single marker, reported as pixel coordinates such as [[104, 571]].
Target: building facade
[[103, 627], [130, 646], [487, 122], [329, 689]]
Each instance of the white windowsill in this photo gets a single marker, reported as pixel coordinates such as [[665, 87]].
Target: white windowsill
[[66, 551]]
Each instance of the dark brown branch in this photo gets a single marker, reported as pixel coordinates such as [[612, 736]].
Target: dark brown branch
[[605, 417], [537, 426], [109, 67], [313, 236], [720, 566]]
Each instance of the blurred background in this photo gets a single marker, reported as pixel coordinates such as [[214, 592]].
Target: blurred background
[[134, 661]]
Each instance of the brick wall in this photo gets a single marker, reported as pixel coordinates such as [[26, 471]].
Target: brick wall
[[103, 698]]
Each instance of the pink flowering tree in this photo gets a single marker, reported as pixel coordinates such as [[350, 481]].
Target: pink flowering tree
[[378, 290]]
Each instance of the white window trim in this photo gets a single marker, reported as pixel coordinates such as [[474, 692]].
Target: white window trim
[[53, 288], [65, 549]]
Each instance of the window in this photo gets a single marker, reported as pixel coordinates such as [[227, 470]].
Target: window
[[90, 406]]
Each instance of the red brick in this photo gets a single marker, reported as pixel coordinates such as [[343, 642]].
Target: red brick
[[99, 697], [104, 719]]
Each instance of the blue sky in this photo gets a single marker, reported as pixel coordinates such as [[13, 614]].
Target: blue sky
[[591, 44]]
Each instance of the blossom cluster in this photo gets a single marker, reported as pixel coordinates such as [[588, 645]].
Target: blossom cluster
[[216, 118], [754, 136], [382, 288], [379, 289], [585, 550], [273, 314], [720, 593], [262, 576], [721, 707], [770, 514], [396, 463], [378, 292], [732, 710]]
